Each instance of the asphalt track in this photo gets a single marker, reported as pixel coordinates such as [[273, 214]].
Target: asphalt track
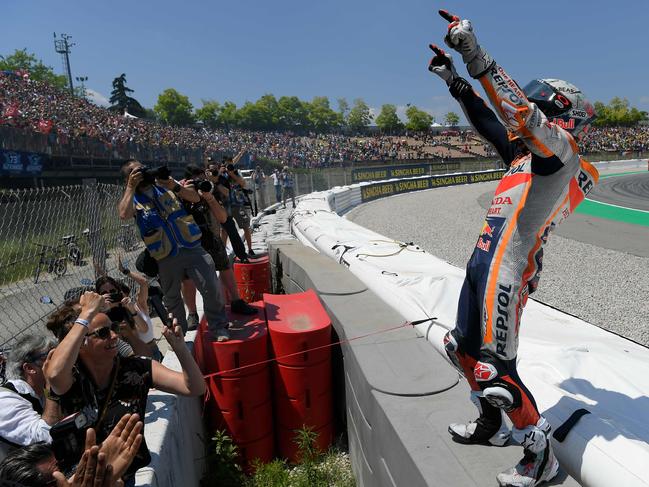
[[615, 216], [594, 266]]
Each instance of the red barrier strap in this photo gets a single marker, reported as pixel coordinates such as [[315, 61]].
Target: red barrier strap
[[301, 352]]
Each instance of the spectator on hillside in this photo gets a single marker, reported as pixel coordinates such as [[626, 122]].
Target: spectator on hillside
[[172, 237], [85, 374], [26, 411], [288, 189]]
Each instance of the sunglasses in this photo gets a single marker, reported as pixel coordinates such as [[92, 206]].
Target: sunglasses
[[103, 333], [37, 359]]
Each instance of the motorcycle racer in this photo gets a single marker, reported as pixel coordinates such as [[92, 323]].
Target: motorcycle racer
[[546, 179]]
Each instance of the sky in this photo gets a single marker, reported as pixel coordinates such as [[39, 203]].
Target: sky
[[376, 50]]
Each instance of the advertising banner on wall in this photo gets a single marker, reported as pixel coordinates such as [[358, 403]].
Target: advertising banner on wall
[[19, 163], [380, 190], [378, 173]]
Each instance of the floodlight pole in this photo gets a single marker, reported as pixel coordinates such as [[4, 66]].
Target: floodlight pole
[[62, 46]]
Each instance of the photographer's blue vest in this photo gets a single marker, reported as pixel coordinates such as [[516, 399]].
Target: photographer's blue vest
[[164, 224]]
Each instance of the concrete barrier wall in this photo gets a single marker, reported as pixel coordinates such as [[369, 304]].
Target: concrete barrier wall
[[175, 436], [398, 394]]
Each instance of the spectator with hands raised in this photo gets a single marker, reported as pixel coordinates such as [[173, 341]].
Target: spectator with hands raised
[[86, 375]]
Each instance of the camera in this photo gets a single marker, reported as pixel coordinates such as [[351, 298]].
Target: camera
[[115, 297], [69, 434], [230, 167], [150, 174], [203, 185]]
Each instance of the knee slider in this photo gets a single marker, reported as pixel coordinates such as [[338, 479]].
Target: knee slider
[[452, 347], [497, 391]]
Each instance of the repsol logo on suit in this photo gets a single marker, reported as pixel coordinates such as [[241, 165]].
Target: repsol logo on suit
[[502, 317]]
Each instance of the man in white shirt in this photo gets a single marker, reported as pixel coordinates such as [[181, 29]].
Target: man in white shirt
[[26, 414], [277, 183]]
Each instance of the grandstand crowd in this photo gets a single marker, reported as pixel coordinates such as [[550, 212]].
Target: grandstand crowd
[[33, 106]]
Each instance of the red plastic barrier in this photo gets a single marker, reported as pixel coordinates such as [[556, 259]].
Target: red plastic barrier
[[297, 323], [253, 279], [309, 409], [293, 381], [248, 345], [288, 447], [249, 389], [246, 422], [262, 450], [240, 400]]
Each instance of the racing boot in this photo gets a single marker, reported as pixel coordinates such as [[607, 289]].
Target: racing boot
[[538, 464], [489, 429]]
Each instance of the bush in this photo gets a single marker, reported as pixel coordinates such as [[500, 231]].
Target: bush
[[316, 469]]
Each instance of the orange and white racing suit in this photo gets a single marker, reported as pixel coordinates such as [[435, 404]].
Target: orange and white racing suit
[[540, 190]]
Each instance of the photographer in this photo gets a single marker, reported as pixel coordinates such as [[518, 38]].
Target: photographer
[[233, 186], [26, 412], [172, 237], [288, 189], [206, 213], [217, 175], [95, 385]]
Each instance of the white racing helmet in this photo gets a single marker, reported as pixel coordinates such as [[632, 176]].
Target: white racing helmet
[[563, 103]]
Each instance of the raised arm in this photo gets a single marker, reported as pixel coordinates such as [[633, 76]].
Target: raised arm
[[543, 138], [481, 117]]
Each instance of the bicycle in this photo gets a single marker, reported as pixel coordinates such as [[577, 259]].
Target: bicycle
[[53, 259], [73, 250]]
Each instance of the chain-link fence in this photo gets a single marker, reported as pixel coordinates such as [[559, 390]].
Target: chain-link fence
[[53, 240]]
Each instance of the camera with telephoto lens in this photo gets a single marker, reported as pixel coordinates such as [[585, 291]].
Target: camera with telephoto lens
[[69, 437], [150, 174], [202, 185]]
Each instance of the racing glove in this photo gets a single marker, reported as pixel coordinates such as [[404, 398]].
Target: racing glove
[[461, 37], [442, 65]]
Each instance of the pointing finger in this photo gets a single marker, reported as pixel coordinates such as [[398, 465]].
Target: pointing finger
[[448, 16], [436, 50]]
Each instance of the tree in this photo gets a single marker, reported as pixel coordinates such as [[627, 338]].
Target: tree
[[292, 113], [359, 116], [452, 119], [321, 117], [343, 107], [174, 108], [418, 120], [120, 101], [229, 116], [209, 113], [150, 114], [248, 116], [267, 112], [22, 60], [388, 120], [618, 112]]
